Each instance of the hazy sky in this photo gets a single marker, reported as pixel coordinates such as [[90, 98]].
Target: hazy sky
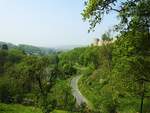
[[47, 23]]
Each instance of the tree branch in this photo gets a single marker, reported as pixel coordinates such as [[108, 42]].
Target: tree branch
[[115, 10]]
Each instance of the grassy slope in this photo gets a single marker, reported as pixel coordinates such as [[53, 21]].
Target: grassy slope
[[127, 105], [16, 108], [89, 94], [59, 111]]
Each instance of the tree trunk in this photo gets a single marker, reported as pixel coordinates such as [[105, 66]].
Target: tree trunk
[[142, 102], [40, 85], [142, 97]]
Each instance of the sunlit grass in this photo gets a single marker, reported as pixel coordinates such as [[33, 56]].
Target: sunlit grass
[[17, 108]]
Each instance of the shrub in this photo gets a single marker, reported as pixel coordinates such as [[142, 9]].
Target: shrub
[[5, 93]]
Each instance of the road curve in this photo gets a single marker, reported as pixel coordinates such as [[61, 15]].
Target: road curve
[[76, 92]]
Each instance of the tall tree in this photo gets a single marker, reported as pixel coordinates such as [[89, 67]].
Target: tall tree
[[131, 51]]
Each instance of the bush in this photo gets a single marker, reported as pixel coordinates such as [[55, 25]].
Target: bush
[[61, 96], [69, 69], [87, 71], [10, 90], [5, 91]]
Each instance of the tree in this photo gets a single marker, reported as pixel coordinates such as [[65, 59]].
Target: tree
[[131, 65], [4, 47], [3, 60], [95, 10], [131, 52], [33, 75], [5, 90], [15, 55], [106, 38], [69, 69]]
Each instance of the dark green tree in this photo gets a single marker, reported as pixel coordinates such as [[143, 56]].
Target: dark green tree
[[4, 47], [3, 60]]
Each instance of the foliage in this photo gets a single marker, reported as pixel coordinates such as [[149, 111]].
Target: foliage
[[82, 56], [95, 10], [29, 79], [129, 69], [131, 66], [69, 69], [62, 97], [5, 90]]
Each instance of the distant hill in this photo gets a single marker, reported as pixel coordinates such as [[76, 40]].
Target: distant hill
[[10, 45], [67, 47], [35, 50], [29, 49]]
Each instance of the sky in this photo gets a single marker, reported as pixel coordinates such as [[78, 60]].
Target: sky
[[48, 23]]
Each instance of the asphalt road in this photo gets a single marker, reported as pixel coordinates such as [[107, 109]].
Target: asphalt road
[[76, 92]]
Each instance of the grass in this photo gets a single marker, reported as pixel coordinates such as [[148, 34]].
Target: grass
[[59, 111], [16, 108], [87, 92]]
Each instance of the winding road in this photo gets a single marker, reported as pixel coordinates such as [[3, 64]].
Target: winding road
[[76, 92]]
